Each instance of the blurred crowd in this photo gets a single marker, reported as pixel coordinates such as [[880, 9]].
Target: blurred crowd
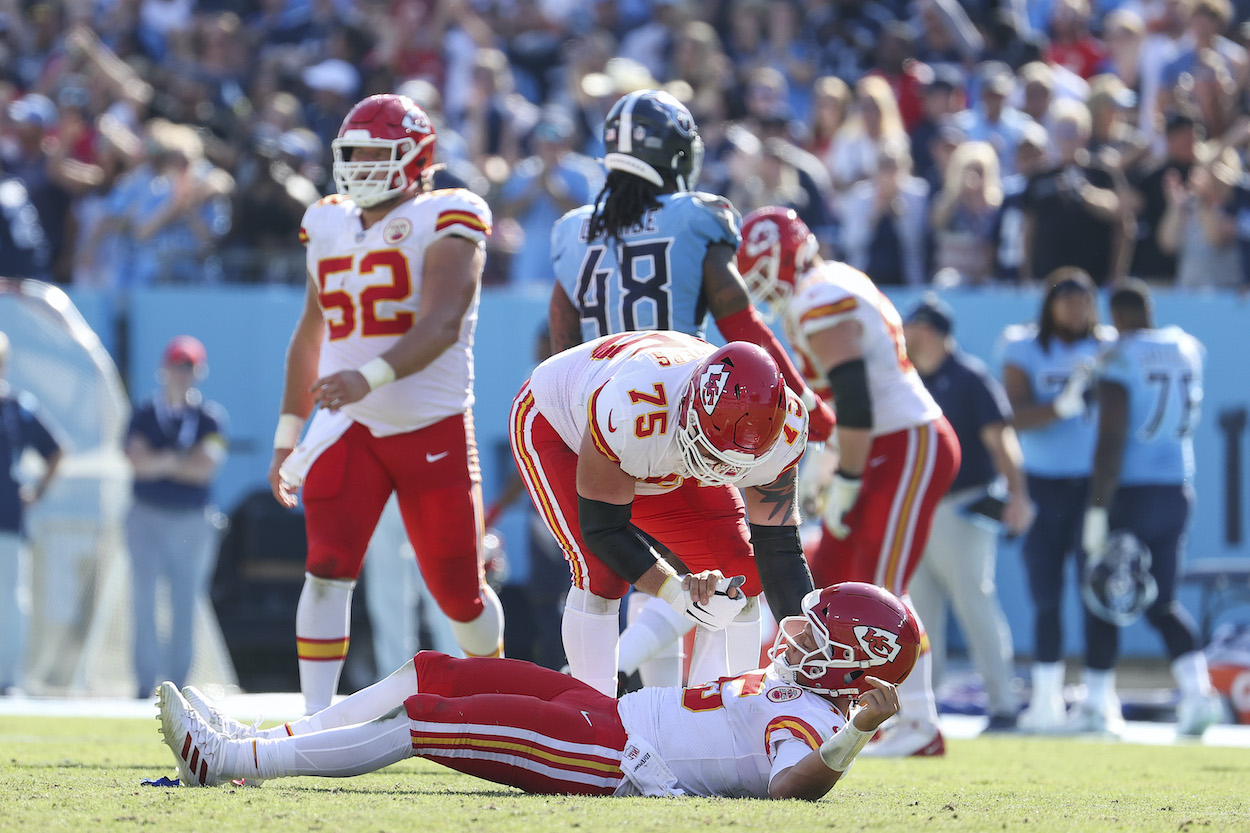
[[924, 141]]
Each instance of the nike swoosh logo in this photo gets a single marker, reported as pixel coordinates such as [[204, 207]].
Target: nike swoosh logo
[[434, 458], [587, 716], [876, 461], [611, 427]]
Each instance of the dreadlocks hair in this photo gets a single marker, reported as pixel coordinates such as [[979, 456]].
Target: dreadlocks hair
[[621, 204], [1064, 279]]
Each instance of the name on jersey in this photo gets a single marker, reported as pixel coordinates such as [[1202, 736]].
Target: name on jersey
[[646, 225], [784, 693]]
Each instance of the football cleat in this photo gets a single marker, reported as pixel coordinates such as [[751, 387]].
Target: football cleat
[[214, 717], [1196, 713], [198, 750], [1044, 715], [912, 739], [1094, 719]]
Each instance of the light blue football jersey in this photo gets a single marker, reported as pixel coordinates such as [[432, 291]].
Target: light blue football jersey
[[1065, 447], [650, 279], [1162, 372]]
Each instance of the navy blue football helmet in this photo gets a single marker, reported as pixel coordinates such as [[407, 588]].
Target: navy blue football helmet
[[1118, 587], [652, 135]]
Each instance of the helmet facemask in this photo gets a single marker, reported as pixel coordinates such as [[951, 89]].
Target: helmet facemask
[[371, 182]]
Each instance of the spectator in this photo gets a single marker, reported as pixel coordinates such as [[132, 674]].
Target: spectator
[[907, 76], [875, 120], [1113, 140], [542, 188], [994, 120], [1009, 232], [1124, 32], [885, 220], [100, 251], [943, 97], [34, 118], [966, 213], [1150, 200], [1072, 212], [1047, 369], [1071, 44], [22, 427], [959, 562], [1195, 227], [831, 101], [1207, 52], [176, 443]]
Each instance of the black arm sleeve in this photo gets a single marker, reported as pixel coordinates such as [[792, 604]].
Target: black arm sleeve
[[782, 568], [613, 539], [851, 400]]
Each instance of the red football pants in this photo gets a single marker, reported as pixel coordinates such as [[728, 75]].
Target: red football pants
[[435, 475], [704, 526], [516, 723], [908, 472]]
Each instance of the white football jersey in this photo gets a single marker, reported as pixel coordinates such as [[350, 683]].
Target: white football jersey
[[730, 737], [627, 390], [834, 292], [369, 283]]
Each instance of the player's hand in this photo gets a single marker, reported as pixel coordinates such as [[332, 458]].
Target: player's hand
[[876, 706], [338, 389], [1071, 400], [1094, 534], [843, 492], [820, 421], [711, 600], [1018, 514], [282, 491]]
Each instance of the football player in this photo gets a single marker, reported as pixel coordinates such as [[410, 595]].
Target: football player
[[786, 730], [1149, 392], [644, 436], [384, 347], [652, 253], [897, 454], [1047, 368]]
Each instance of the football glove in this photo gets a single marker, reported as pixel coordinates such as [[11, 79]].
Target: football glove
[[719, 611], [843, 492], [1094, 534], [1071, 400]]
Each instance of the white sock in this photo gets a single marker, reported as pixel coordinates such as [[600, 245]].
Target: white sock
[[365, 705], [744, 639], [1047, 681], [1099, 686], [651, 644], [1192, 675], [591, 630], [322, 634], [483, 636], [915, 694], [333, 753]]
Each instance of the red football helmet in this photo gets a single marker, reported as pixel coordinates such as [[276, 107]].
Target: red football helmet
[[732, 413], [777, 248], [857, 630], [393, 122]]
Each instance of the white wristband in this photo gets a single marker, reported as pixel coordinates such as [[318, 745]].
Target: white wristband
[[377, 372], [289, 428], [841, 749], [809, 399], [672, 592]]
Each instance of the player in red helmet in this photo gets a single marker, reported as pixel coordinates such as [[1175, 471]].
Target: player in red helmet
[[897, 454], [787, 730], [384, 346], [647, 437]]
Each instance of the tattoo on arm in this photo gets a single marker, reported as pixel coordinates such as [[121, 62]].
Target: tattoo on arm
[[563, 321], [781, 494]]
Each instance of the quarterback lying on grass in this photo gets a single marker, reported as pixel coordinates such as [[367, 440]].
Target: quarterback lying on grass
[[781, 731]]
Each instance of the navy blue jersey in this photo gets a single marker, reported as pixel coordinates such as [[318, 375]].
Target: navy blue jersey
[[181, 431], [20, 428], [970, 399], [650, 279], [1162, 372]]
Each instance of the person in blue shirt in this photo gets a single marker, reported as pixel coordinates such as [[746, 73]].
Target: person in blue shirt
[[1047, 368], [21, 427], [960, 559], [1149, 393], [176, 443]]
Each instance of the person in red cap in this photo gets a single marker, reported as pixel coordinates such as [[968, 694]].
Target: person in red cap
[[176, 443]]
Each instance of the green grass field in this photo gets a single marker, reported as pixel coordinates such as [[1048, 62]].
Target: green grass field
[[84, 774]]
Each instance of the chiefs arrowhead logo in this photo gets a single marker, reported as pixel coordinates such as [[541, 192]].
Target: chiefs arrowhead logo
[[879, 644], [417, 121], [712, 386], [784, 693], [397, 230], [764, 235]]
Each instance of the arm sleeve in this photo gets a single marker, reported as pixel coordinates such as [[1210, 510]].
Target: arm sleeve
[[746, 325]]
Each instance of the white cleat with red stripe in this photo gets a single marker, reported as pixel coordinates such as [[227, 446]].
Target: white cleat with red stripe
[[198, 750], [215, 717]]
